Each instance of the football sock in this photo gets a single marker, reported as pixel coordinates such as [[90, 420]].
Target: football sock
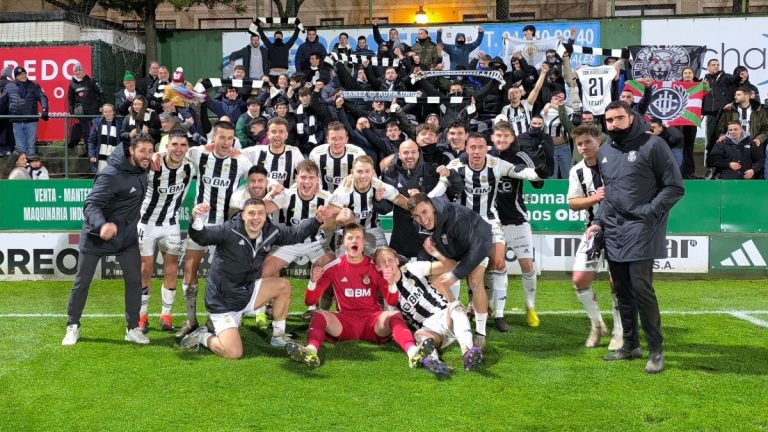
[[618, 329], [480, 321], [190, 298], [278, 328], [400, 333], [169, 295], [588, 300], [144, 301], [204, 338], [488, 285], [529, 288], [461, 328], [316, 332], [500, 281]]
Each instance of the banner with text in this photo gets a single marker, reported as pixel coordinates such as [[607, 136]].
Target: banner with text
[[52, 68]]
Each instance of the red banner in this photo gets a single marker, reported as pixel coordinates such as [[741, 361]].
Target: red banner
[[51, 67]]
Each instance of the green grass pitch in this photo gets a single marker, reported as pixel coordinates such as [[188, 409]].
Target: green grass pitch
[[716, 376]]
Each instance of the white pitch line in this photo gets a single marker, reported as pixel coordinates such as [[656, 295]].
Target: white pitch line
[[743, 316]]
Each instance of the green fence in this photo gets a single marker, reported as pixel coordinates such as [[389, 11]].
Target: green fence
[[708, 207]]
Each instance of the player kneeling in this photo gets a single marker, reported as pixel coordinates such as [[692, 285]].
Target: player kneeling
[[234, 285], [356, 286], [434, 313]]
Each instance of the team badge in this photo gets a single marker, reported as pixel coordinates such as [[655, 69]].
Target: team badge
[[409, 283], [444, 239], [366, 280], [632, 156], [668, 103]]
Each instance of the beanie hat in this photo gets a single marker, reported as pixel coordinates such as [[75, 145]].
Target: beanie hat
[[178, 75], [7, 72], [78, 67], [18, 71], [129, 76]]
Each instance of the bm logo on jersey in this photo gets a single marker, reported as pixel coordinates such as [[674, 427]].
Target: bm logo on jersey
[[479, 190], [170, 190], [216, 182], [333, 180], [357, 292], [274, 175]]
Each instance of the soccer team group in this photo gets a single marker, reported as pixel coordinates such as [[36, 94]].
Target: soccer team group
[[456, 209]]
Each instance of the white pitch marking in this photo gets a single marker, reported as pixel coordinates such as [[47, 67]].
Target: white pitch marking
[[744, 316]]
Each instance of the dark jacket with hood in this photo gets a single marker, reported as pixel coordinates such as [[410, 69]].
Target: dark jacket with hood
[[744, 152], [460, 234], [722, 87], [277, 50], [642, 183], [758, 121], [305, 50], [86, 93], [238, 260], [459, 52], [116, 197], [424, 177]]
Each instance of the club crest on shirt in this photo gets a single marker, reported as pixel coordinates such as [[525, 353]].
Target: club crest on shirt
[[632, 156], [409, 283], [444, 239], [366, 280]]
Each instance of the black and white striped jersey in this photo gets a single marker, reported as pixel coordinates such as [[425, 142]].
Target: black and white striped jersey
[[281, 167], [418, 300], [510, 202], [552, 125], [596, 85], [166, 190], [334, 169], [361, 203], [480, 187], [519, 116], [293, 209], [583, 181], [217, 179]]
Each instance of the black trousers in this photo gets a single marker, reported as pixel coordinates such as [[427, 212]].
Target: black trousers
[[130, 263], [633, 282], [689, 139]]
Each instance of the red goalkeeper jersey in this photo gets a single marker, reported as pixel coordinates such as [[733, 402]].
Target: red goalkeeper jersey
[[355, 286]]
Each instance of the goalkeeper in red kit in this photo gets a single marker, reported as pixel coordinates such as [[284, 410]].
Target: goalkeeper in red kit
[[356, 287]]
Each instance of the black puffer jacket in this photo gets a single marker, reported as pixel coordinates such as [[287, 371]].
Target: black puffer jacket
[[116, 197], [86, 93], [21, 98], [238, 260], [642, 183], [748, 155]]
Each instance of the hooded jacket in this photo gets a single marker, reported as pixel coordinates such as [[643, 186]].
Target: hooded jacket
[[305, 50], [278, 50], [642, 183], [744, 152], [460, 234], [459, 52], [116, 197], [238, 260], [758, 121]]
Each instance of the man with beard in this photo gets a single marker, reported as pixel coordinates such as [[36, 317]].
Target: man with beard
[[460, 51], [278, 52], [255, 58], [310, 46], [641, 186], [111, 213]]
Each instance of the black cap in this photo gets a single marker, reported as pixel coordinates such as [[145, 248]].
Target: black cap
[[530, 27]]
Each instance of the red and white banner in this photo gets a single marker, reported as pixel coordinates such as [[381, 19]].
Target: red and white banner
[[52, 68]]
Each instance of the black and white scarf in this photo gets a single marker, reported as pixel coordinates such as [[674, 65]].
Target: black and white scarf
[[259, 21], [622, 53], [311, 128], [108, 139], [358, 59]]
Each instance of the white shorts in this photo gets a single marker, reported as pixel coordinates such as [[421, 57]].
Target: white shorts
[[580, 262], [227, 320], [191, 245], [496, 232], [438, 323], [168, 239], [314, 251], [519, 238]]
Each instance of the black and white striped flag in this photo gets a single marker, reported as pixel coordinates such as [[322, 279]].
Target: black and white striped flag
[[218, 82], [259, 21], [358, 59], [622, 53]]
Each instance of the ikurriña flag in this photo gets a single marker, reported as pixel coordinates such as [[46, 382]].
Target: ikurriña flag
[[664, 62], [676, 103]]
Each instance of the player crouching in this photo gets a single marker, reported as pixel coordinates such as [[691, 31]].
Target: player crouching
[[234, 285], [434, 313], [356, 286]]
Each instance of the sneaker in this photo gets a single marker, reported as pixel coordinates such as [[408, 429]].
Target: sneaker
[[436, 366], [144, 324], [187, 328], [624, 354], [597, 332], [194, 339], [501, 325], [261, 321], [135, 335], [479, 341], [617, 341], [302, 354], [166, 322], [282, 340], [655, 363], [472, 358], [72, 336], [424, 349], [532, 317]]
